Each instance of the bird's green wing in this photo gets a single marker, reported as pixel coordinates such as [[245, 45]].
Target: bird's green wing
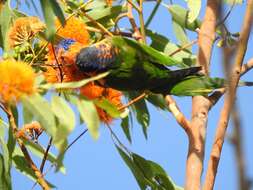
[[128, 46]]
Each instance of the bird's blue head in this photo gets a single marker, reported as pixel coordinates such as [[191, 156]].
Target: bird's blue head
[[65, 43]]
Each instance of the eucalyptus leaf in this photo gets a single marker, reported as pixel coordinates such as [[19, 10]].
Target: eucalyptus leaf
[[68, 85], [110, 108], [89, 115], [180, 16], [42, 111], [142, 113], [194, 6], [5, 20], [49, 16], [126, 128]]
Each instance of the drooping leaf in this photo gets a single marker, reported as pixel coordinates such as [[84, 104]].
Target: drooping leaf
[[5, 162], [5, 20], [110, 108], [134, 169], [88, 113], [180, 16], [157, 100], [142, 113], [148, 174], [5, 178], [42, 112], [126, 128], [194, 7], [65, 116], [180, 34], [50, 8]]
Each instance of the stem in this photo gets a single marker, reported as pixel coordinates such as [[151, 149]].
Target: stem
[[27, 157], [136, 34], [133, 101], [200, 104], [45, 155], [150, 18], [142, 24], [229, 99]]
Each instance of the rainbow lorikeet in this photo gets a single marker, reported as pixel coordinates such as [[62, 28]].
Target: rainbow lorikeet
[[134, 66]]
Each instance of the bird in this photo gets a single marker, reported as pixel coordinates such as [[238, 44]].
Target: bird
[[134, 66]]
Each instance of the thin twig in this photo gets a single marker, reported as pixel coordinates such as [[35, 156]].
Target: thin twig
[[229, 99], [142, 24], [31, 164], [67, 148], [45, 155], [184, 47], [133, 101], [136, 34], [150, 18]]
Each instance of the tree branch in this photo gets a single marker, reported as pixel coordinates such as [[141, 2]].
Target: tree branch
[[179, 116], [200, 108], [229, 99]]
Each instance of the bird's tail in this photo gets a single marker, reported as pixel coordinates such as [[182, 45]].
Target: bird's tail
[[201, 85]]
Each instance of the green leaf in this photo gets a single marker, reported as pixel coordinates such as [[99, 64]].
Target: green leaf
[[5, 178], [89, 115], [134, 169], [104, 14], [48, 13], [5, 160], [27, 115], [39, 151], [142, 113], [5, 20], [157, 100], [66, 123], [110, 108], [180, 34], [65, 116], [57, 11], [41, 110], [67, 85], [194, 6], [180, 16], [198, 85], [148, 174], [126, 128]]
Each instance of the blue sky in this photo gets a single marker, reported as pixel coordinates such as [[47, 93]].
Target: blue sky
[[97, 165]]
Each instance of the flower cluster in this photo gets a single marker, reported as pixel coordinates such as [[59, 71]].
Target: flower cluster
[[24, 29], [62, 67], [17, 79]]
